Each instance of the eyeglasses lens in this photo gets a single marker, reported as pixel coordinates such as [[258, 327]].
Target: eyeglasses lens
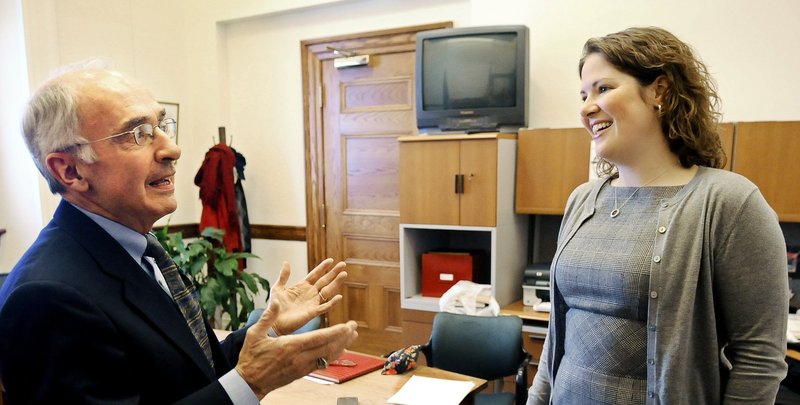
[[143, 134], [169, 126]]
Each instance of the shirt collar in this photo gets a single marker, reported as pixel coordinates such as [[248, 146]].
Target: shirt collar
[[133, 242]]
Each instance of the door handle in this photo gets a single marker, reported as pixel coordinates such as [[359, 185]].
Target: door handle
[[459, 183]]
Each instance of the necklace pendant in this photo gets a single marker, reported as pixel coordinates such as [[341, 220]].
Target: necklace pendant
[[614, 212]]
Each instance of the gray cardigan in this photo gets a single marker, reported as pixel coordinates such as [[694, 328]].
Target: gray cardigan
[[719, 295]]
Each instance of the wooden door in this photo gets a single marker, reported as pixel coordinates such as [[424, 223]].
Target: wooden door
[[427, 184], [478, 204], [354, 117]]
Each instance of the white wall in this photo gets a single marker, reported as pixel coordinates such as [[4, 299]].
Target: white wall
[[19, 193], [237, 64], [748, 45]]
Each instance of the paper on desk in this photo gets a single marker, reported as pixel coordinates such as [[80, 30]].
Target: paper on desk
[[431, 391], [793, 329], [318, 380]]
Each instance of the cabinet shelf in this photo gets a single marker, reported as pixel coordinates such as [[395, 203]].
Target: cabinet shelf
[[479, 215], [504, 246]]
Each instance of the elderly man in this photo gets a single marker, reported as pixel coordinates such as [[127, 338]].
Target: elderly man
[[93, 313]]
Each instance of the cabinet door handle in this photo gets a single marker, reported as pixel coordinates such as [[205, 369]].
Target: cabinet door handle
[[459, 183]]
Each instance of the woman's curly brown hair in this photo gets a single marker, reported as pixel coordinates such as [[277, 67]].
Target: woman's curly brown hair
[[689, 114]]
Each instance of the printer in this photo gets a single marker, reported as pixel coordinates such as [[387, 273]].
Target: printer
[[536, 286]]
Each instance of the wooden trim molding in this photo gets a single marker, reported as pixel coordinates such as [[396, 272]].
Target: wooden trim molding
[[278, 232], [271, 232], [188, 230]]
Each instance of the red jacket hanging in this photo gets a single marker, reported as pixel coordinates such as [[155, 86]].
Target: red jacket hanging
[[216, 182]]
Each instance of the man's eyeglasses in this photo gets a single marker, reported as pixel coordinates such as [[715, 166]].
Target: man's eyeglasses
[[144, 134]]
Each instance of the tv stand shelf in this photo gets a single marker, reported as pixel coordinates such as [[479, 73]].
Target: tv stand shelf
[[455, 136], [477, 215]]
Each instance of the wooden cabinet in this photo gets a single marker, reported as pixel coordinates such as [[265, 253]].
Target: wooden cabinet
[[551, 163], [456, 192], [767, 154], [451, 180], [726, 139]]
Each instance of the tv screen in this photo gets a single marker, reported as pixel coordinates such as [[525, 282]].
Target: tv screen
[[472, 79]]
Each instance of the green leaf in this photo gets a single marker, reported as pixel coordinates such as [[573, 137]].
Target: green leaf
[[227, 267], [250, 281], [242, 255], [221, 286], [213, 233], [247, 305], [232, 310], [207, 299], [196, 266]]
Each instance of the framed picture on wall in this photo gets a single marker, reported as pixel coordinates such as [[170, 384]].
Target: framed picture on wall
[[172, 110]]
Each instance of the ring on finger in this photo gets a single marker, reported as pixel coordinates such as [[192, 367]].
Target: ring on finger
[[321, 363], [322, 297]]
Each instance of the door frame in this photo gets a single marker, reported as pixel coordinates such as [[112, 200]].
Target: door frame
[[313, 52]]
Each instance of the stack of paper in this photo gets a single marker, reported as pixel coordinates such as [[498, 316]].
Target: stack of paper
[[431, 391], [793, 329]]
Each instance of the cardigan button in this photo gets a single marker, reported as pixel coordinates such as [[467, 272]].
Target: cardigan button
[[653, 294], [662, 229], [657, 259]]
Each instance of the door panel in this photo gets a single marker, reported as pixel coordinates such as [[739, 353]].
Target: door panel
[[366, 109], [479, 167], [429, 170]]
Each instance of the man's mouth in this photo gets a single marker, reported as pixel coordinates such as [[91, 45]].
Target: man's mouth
[[161, 182]]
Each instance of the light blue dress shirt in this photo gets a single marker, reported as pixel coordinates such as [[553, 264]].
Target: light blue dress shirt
[[135, 243]]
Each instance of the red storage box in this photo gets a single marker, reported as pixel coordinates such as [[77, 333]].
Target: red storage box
[[441, 270]]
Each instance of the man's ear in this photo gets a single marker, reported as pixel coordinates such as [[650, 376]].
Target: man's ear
[[63, 167]]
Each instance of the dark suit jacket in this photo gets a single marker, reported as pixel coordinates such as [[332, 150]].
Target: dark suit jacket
[[80, 322]]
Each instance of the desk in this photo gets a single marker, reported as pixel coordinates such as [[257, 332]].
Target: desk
[[534, 330], [526, 313], [535, 327], [370, 389], [793, 354]]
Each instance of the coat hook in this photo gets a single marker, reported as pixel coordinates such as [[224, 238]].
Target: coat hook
[[222, 139]]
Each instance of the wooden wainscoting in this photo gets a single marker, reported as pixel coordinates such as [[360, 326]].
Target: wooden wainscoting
[[272, 232]]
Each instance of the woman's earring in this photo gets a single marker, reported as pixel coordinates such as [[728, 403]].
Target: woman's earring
[[659, 108]]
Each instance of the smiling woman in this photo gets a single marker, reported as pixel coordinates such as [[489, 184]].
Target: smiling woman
[[663, 244]]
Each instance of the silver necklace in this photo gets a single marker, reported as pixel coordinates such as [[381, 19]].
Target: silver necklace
[[615, 211]]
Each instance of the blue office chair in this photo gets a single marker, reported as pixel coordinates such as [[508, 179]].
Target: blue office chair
[[311, 325], [485, 347]]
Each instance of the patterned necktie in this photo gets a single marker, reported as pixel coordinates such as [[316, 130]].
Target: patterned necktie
[[183, 295]]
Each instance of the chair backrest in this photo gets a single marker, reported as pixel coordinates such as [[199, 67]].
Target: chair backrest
[[480, 346]]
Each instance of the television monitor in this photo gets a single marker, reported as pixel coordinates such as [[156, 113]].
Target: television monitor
[[472, 79]]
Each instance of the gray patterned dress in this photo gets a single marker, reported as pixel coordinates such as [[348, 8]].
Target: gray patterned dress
[[603, 275]]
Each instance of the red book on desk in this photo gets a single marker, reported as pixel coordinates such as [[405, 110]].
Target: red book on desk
[[350, 365]]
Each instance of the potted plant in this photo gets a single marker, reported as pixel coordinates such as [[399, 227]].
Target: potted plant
[[222, 288]]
